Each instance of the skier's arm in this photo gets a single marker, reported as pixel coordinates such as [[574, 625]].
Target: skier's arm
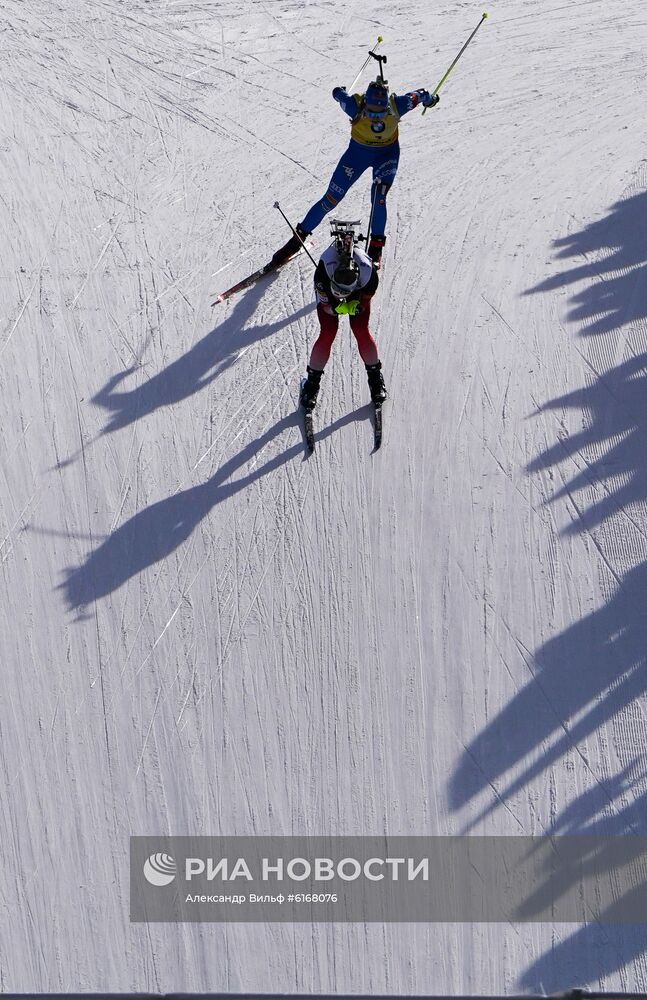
[[322, 281], [411, 100], [370, 287], [348, 102]]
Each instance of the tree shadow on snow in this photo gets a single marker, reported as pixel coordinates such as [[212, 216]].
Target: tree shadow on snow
[[196, 369], [611, 255], [592, 672], [611, 448], [608, 945], [157, 531], [580, 680]]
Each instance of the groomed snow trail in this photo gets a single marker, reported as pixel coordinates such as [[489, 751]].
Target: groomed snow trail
[[203, 632]]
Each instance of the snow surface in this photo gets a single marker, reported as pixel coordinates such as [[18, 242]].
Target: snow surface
[[201, 631]]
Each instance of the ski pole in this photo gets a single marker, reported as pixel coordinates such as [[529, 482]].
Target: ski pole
[[276, 205], [436, 89], [368, 59], [370, 218]]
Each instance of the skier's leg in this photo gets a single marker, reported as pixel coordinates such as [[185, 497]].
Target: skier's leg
[[368, 351], [365, 343], [351, 166], [292, 246], [384, 172], [328, 323], [370, 357], [318, 357], [379, 191]]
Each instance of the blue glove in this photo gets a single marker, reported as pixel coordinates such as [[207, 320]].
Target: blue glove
[[339, 92], [429, 100]]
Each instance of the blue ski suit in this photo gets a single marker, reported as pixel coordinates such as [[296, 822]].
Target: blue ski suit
[[374, 143]]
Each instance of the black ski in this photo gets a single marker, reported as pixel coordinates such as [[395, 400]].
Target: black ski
[[377, 425], [251, 279], [308, 423], [308, 426]]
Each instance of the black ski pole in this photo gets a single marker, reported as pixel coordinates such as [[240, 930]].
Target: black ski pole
[[276, 205]]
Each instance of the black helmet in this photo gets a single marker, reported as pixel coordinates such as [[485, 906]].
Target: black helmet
[[345, 278]]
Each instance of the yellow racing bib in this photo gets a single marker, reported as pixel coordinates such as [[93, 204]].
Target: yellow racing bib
[[376, 131]]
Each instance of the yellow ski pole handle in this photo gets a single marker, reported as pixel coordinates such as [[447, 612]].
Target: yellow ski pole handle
[[438, 86], [380, 39]]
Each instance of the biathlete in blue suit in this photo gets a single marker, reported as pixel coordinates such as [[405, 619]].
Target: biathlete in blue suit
[[374, 142]]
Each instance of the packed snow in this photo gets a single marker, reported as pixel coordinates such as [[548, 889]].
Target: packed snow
[[205, 632]]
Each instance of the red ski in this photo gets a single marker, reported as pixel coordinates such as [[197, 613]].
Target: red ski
[[251, 279]]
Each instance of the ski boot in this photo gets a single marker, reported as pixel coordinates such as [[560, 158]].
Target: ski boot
[[309, 389], [376, 383], [292, 246], [375, 248]]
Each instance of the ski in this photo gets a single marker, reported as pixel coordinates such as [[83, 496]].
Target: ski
[[251, 279], [308, 423], [245, 283], [377, 425]]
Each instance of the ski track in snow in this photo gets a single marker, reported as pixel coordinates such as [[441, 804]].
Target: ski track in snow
[[205, 632]]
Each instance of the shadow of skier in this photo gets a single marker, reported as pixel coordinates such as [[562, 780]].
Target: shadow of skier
[[196, 369], [157, 531]]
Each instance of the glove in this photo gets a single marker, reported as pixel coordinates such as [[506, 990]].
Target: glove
[[348, 308], [339, 92], [429, 100]]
